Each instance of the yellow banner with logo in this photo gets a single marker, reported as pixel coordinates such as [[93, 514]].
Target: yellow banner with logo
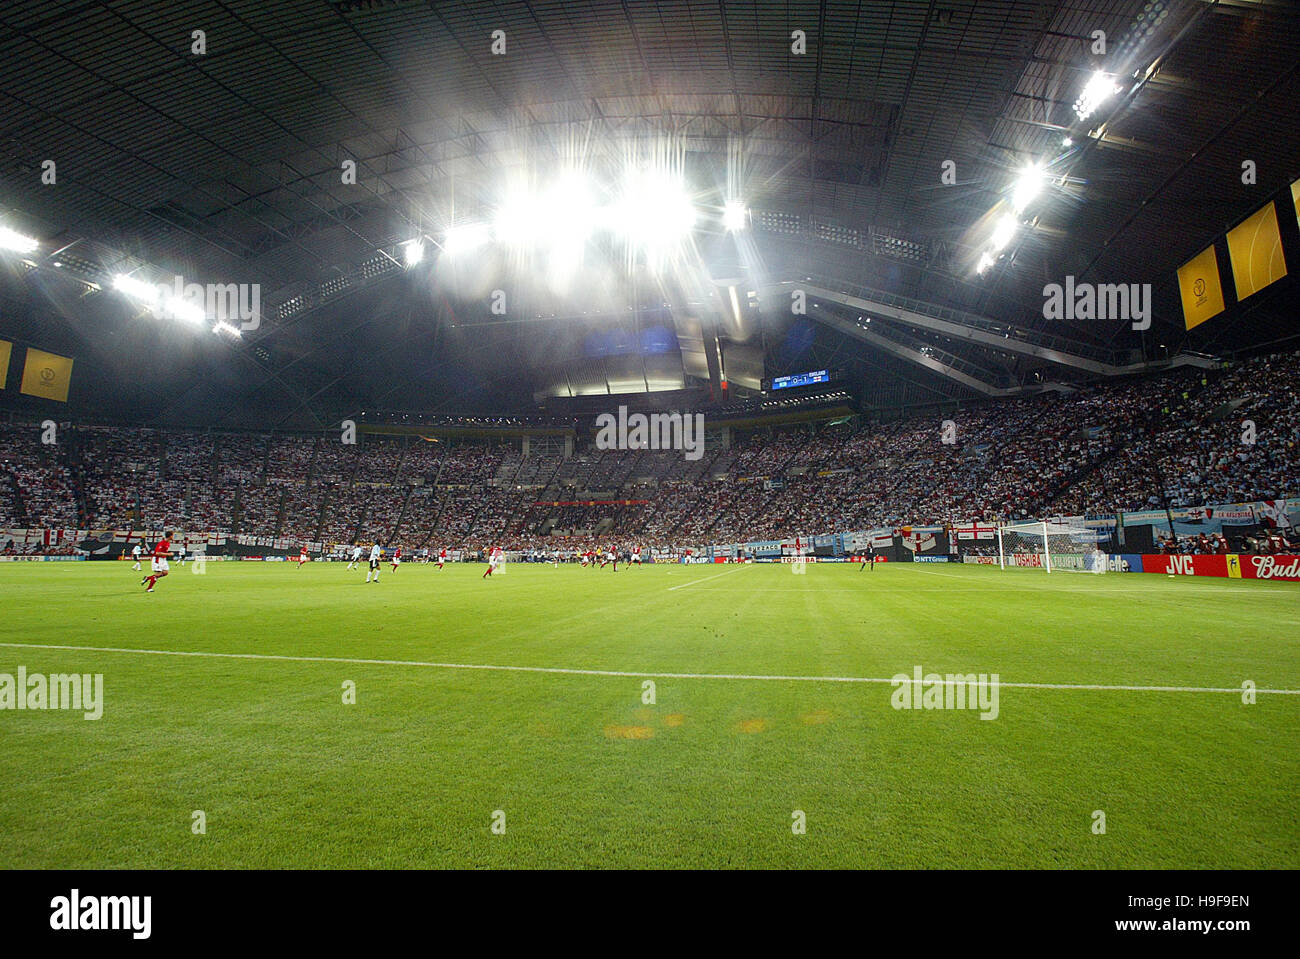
[[1234, 566], [5, 349], [1255, 248], [1200, 287], [47, 375]]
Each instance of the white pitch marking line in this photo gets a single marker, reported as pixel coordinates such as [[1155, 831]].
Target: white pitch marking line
[[1074, 586], [1099, 593], [626, 674], [705, 579]]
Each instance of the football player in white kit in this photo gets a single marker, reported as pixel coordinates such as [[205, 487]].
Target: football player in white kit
[[136, 553], [356, 556], [376, 555]]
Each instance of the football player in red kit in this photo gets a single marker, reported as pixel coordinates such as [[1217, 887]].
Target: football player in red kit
[[159, 563]]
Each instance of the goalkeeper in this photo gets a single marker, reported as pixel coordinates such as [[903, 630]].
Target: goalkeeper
[[869, 558]]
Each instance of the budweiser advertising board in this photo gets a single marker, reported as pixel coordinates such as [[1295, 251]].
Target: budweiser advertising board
[[1231, 565]]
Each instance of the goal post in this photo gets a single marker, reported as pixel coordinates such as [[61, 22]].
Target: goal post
[[1054, 547]]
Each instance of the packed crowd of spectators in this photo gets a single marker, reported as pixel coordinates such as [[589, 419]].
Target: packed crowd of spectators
[[1185, 438], [1228, 440], [35, 485]]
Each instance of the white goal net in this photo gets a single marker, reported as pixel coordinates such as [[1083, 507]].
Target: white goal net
[[1051, 546]]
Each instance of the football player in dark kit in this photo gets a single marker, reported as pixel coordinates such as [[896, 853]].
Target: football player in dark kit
[[869, 558]]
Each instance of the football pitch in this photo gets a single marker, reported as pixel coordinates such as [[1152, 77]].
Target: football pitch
[[508, 722]]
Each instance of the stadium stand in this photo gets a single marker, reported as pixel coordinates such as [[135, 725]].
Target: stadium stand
[[1170, 440]]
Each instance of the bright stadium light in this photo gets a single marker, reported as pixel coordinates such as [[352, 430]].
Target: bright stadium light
[[229, 330], [986, 261], [559, 218], [735, 217], [139, 289], [182, 309], [465, 238], [570, 211], [159, 300], [1028, 185], [413, 251], [655, 211], [520, 220], [567, 216], [1004, 231], [12, 240], [1097, 91]]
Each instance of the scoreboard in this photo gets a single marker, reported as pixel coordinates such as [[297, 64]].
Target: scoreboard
[[800, 379]]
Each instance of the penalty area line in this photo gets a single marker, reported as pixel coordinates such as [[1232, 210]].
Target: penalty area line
[[705, 579], [624, 674]]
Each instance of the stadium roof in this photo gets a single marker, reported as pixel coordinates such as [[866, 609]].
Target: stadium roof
[[225, 166]]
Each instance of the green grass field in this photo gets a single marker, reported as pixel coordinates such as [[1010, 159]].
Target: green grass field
[[587, 775]]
